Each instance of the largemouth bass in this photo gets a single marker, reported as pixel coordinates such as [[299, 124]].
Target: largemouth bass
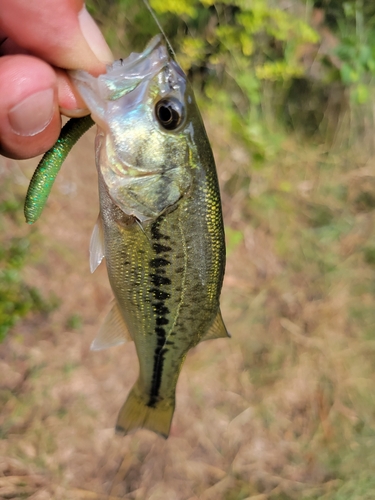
[[160, 225]]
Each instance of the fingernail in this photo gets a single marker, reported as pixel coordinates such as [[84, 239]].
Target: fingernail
[[32, 115], [74, 113], [94, 37]]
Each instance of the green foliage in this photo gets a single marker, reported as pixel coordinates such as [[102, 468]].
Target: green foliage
[[17, 298], [355, 29], [74, 322], [233, 239], [369, 255], [361, 487], [261, 62], [232, 50]]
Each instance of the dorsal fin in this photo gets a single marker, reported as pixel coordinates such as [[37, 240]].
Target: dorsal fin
[[217, 329], [112, 332]]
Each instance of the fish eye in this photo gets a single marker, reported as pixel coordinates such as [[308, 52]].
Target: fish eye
[[169, 113]]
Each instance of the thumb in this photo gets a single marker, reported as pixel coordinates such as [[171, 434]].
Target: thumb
[[59, 31]]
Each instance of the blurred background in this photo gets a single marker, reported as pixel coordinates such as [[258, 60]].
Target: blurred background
[[286, 408]]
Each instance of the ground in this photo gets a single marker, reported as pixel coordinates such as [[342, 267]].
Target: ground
[[282, 410]]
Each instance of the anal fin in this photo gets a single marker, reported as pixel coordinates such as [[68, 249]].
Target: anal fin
[[217, 329], [112, 332]]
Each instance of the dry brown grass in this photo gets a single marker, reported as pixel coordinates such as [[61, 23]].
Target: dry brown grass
[[283, 410]]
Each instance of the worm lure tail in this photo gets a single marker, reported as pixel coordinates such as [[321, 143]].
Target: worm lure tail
[[45, 174]]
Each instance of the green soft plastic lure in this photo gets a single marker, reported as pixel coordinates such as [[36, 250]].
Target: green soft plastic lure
[[45, 174]]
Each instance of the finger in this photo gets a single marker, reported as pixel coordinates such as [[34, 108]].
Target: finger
[[58, 31], [29, 112], [70, 102], [9, 47]]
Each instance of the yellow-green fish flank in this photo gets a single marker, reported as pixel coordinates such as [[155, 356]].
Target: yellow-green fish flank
[[160, 226]]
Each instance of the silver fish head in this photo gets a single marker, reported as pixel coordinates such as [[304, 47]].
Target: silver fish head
[[145, 144]]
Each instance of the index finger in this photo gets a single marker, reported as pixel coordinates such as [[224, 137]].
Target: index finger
[[59, 31]]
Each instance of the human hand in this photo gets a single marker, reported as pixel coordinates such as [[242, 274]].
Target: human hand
[[39, 41]]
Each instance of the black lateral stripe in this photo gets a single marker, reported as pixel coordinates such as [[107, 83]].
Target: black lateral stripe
[[159, 265], [159, 262], [159, 294], [155, 232], [160, 309], [158, 280], [160, 248]]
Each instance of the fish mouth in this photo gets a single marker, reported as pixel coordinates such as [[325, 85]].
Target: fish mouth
[[151, 173], [138, 65], [134, 173], [121, 77], [136, 58]]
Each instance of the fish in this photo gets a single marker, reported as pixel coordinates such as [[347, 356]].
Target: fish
[[160, 226]]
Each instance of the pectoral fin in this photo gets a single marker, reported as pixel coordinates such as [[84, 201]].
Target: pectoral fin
[[217, 329], [97, 245], [113, 331]]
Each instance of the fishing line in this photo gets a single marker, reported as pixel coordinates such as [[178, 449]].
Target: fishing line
[[148, 6]]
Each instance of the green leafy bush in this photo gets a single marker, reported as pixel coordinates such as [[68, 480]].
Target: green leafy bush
[[261, 62], [233, 51]]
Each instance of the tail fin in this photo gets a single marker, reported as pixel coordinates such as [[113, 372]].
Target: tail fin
[[136, 414]]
